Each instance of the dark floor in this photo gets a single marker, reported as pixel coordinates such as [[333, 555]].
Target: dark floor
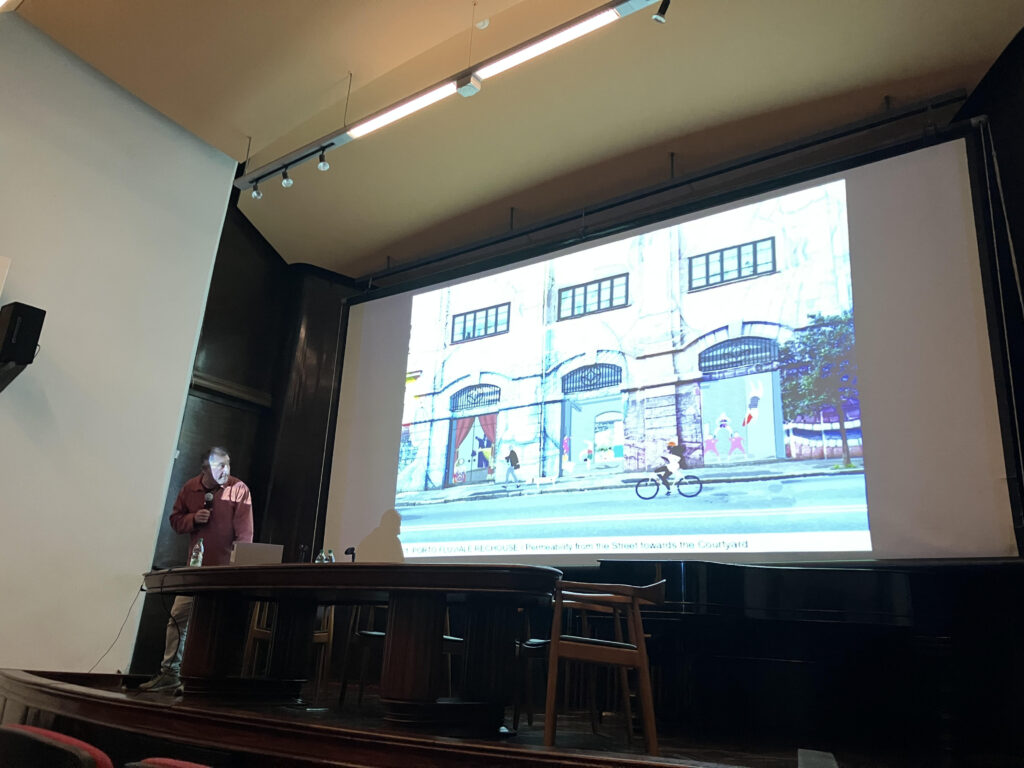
[[575, 732], [575, 735]]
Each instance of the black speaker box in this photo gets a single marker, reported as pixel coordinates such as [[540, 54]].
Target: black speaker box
[[20, 326]]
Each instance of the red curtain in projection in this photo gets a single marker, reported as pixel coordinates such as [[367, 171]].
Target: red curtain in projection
[[462, 427], [489, 424]]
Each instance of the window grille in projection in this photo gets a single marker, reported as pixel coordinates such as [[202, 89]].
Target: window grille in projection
[[738, 353], [477, 396], [591, 377]]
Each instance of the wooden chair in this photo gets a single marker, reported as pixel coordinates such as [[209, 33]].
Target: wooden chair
[[575, 688], [259, 643], [629, 651], [323, 642], [259, 640], [26, 746]]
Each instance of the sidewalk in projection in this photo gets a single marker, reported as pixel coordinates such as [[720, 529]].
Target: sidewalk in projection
[[813, 504]]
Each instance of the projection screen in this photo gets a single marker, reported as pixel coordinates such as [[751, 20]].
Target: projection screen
[[804, 374]]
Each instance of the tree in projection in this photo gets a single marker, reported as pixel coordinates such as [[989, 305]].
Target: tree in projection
[[819, 370]]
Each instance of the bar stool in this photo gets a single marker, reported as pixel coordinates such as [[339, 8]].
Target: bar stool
[[364, 638]]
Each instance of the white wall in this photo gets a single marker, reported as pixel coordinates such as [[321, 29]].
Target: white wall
[[111, 216]]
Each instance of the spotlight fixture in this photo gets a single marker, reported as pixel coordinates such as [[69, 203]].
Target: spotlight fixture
[[465, 83], [468, 85], [257, 194]]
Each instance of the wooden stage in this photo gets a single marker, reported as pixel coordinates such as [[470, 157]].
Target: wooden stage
[[896, 665], [129, 725]]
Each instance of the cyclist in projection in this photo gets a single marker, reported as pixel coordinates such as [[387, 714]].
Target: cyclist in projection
[[673, 459]]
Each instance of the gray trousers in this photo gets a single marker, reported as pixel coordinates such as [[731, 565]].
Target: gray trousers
[[177, 628]]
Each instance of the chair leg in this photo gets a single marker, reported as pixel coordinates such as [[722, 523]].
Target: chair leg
[[550, 712], [529, 692], [624, 682], [626, 704], [523, 670], [643, 675], [595, 716], [522, 690], [353, 614], [647, 710], [363, 659], [318, 672]]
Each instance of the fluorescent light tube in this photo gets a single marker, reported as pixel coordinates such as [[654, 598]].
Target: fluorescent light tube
[[397, 113], [546, 44]]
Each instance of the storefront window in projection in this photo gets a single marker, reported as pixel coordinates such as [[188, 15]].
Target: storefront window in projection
[[689, 389]]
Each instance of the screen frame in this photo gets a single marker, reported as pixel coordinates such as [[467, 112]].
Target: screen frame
[[615, 220]]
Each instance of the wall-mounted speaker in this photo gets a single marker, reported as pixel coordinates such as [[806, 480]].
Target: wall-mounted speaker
[[20, 326]]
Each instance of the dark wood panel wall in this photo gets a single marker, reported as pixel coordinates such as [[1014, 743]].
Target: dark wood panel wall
[[265, 385], [305, 411]]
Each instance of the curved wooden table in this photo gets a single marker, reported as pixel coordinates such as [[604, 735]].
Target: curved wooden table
[[417, 595]]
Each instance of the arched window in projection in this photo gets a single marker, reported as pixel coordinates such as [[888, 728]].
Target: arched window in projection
[[741, 401], [592, 419], [471, 450]]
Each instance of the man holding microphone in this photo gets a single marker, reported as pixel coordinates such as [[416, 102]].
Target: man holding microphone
[[214, 507]]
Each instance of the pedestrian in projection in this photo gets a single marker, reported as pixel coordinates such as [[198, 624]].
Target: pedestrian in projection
[[513, 465]]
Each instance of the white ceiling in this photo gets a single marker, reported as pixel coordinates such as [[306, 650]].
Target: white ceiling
[[258, 78]]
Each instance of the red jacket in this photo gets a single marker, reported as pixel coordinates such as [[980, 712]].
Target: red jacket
[[230, 517]]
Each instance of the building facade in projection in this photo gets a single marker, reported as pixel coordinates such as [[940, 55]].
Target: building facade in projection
[[594, 361]]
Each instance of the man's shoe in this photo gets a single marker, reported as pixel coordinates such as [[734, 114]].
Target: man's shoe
[[165, 681], [668, 493]]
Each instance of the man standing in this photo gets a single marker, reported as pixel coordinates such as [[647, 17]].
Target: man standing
[[214, 507], [513, 465]]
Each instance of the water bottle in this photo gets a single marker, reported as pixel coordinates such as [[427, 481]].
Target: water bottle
[[197, 554], [321, 558], [330, 555]]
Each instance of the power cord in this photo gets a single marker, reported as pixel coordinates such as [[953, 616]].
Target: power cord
[[141, 589]]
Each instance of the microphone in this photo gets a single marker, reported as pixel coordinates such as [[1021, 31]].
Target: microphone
[[207, 503]]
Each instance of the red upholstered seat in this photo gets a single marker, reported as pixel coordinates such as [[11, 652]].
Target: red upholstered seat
[[165, 762], [75, 748]]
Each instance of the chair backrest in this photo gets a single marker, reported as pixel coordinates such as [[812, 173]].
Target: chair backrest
[[28, 746], [606, 597], [616, 599]]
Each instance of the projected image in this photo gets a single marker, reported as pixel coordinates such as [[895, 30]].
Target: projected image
[[691, 389]]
